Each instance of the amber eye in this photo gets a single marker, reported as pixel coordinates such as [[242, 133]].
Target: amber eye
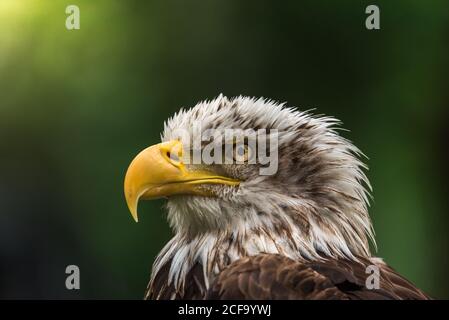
[[241, 152]]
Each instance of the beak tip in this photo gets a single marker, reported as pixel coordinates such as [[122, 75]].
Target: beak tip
[[133, 210], [132, 206]]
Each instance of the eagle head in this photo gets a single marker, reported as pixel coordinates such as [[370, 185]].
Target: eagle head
[[304, 196]]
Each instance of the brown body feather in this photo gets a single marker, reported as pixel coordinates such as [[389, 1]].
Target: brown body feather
[[272, 276]]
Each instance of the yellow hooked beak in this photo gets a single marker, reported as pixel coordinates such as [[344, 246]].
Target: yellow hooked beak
[[158, 171]]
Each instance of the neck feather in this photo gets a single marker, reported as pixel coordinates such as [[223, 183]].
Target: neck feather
[[279, 231]]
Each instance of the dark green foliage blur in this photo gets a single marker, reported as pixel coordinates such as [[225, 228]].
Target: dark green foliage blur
[[77, 106]]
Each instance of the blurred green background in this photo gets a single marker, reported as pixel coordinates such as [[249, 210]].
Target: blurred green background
[[76, 106]]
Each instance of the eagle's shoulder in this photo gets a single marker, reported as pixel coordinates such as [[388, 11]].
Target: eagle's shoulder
[[272, 276]]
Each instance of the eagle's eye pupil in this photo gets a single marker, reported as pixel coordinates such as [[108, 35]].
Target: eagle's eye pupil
[[241, 153]]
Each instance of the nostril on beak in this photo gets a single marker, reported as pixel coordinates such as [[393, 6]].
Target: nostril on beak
[[172, 152], [173, 157]]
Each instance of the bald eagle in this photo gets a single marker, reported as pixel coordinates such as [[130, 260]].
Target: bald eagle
[[302, 232]]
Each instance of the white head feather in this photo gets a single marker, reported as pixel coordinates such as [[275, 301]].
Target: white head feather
[[314, 207]]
